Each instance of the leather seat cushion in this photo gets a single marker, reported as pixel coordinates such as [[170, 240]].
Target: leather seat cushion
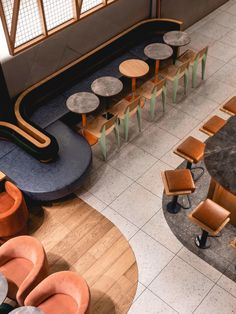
[[6, 202], [211, 214], [192, 148], [59, 304], [214, 124], [231, 105], [179, 180], [15, 271]]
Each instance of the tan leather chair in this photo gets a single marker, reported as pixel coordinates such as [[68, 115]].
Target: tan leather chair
[[192, 150], [13, 213], [177, 182], [211, 218], [213, 125], [174, 73], [195, 57], [230, 106]]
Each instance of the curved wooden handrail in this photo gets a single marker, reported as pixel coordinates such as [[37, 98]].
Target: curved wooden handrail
[[41, 139], [24, 134]]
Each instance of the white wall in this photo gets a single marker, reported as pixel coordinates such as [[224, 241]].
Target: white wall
[[32, 65]]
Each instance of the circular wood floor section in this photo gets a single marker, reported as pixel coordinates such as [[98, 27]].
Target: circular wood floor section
[[77, 237]]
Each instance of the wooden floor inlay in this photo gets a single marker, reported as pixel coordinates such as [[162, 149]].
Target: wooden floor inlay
[[77, 237]]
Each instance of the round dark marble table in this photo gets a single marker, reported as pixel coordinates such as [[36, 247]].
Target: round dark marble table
[[176, 39], [27, 310], [107, 86], [84, 103], [220, 161], [3, 288], [157, 52]]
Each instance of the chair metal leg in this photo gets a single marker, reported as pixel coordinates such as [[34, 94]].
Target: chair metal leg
[[139, 117], [204, 66], [117, 134], [175, 88], [189, 203], [186, 80], [102, 142], [201, 240], [164, 91], [173, 207], [152, 106], [194, 73], [126, 126]]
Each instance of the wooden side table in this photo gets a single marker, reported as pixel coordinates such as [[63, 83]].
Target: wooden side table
[[134, 68]]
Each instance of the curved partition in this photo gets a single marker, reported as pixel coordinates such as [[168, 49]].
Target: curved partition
[[37, 141]]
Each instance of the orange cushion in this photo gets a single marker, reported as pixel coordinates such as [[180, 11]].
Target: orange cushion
[[179, 180], [16, 271], [192, 148], [231, 105], [214, 124], [6, 202], [59, 304], [211, 214]]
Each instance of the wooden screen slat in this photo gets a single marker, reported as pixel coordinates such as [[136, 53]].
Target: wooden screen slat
[[15, 14], [5, 28], [42, 17]]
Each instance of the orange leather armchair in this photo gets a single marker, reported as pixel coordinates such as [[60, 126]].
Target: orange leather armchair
[[24, 264], [60, 293], [13, 212]]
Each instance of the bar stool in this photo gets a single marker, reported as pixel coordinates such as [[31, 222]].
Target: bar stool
[[213, 125], [177, 182], [230, 106], [211, 218], [192, 150]]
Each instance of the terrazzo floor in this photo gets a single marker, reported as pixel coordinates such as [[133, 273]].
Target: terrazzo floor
[[127, 188]]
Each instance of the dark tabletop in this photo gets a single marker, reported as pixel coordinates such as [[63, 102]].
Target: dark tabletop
[[3, 288], [158, 51], [107, 86], [82, 102], [27, 310], [220, 156], [176, 38]]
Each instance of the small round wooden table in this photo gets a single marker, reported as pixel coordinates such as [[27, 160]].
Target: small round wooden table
[[134, 68], [3, 288], [27, 310], [176, 39], [157, 52], [84, 103]]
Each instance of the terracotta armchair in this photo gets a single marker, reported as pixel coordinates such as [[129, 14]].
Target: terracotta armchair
[[24, 264], [60, 293], [13, 212]]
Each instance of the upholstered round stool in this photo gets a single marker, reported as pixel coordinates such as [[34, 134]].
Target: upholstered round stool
[[13, 213], [177, 182], [192, 150], [213, 125], [211, 218], [230, 106]]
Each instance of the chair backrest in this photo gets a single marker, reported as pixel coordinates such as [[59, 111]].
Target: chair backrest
[[133, 105], [201, 53], [159, 85], [109, 124], [182, 67]]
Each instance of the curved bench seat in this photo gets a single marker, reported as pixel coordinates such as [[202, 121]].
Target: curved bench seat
[[54, 180], [105, 57]]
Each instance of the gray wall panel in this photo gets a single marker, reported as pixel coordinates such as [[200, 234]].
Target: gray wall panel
[[190, 11], [27, 68]]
